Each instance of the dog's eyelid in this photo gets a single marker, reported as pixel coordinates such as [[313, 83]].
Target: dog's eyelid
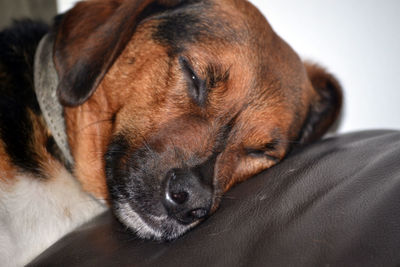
[[264, 150], [260, 153], [254, 151], [197, 87], [267, 147], [188, 69]]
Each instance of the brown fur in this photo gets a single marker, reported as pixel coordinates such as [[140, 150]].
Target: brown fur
[[268, 91], [7, 170], [167, 105]]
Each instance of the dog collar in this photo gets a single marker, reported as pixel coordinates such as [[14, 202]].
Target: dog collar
[[46, 82]]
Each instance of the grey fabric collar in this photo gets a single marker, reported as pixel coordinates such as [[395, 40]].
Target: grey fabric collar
[[46, 82]]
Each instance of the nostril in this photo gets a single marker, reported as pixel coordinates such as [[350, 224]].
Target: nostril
[[198, 213], [179, 197], [175, 193]]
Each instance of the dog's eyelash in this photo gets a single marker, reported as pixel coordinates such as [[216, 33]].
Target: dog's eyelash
[[216, 75]]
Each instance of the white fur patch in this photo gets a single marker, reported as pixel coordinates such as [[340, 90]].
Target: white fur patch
[[133, 220], [35, 213]]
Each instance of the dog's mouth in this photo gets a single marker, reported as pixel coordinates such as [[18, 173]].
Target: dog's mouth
[[148, 226]]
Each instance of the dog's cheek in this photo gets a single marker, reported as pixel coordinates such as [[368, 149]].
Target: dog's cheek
[[249, 167], [224, 171], [236, 168], [133, 176]]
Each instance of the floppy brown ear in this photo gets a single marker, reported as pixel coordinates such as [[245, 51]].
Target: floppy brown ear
[[90, 37], [325, 107]]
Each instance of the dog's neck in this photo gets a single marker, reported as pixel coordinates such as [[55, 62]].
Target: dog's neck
[[46, 82]]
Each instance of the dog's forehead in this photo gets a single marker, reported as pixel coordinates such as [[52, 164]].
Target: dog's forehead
[[235, 29], [231, 34], [229, 22]]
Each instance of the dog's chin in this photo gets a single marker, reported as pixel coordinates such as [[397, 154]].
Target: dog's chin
[[158, 228]]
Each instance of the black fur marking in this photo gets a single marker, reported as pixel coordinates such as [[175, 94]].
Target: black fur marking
[[189, 24], [177, 29], [156, 8], [115, 171], [194, 22], [17, 98], [54, 150], [57, 23]]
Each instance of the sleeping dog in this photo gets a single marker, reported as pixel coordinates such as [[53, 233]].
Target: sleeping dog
[[153, 108]]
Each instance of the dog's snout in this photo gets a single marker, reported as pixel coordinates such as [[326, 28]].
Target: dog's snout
[[187, 198]]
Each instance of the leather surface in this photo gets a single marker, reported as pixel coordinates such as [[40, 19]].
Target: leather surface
[[333, 203]]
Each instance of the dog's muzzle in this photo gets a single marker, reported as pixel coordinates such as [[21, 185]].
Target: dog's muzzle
[[184, 201], [159, 195]]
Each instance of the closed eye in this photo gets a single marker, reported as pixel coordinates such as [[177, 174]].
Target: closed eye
[[264, 152], [197, 88], [257, 153]]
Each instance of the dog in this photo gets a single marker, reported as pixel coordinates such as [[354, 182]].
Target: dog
[[154, 108]]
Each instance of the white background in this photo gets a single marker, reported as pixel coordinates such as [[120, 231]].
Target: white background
[[358, 41]]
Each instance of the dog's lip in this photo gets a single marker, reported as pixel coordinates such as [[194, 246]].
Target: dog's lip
[[135, 222], [149, 226]]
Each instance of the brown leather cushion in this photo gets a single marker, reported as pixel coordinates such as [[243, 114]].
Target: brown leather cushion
[[334, 203]]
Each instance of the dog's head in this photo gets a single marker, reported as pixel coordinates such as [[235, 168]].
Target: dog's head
[[170, 103]]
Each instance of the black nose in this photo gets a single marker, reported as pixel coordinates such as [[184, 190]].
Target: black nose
[[187, 197]]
